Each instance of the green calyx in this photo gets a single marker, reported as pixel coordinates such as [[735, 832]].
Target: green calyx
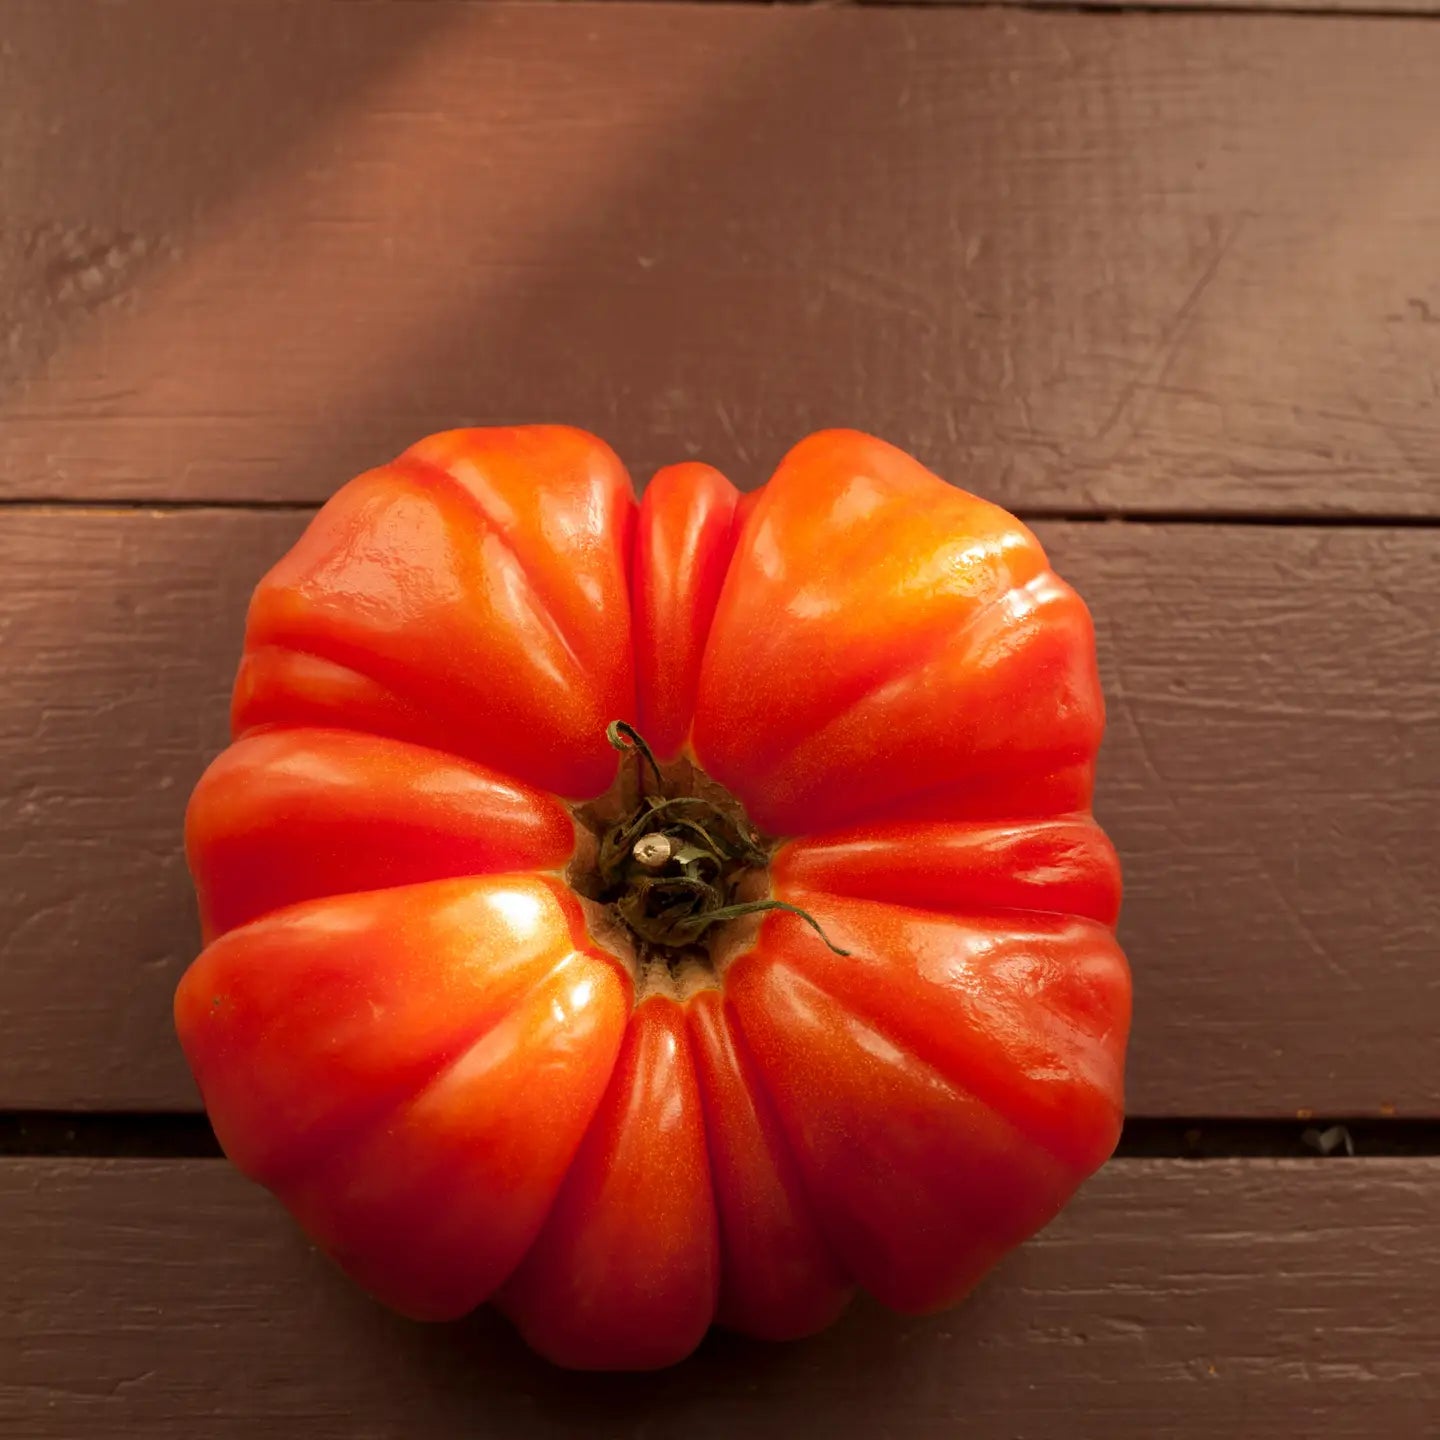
[[671, 867]]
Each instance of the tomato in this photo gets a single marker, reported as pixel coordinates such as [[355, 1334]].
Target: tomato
[[643, 917]]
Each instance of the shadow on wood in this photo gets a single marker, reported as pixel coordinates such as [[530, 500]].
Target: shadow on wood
[[1078, 262]]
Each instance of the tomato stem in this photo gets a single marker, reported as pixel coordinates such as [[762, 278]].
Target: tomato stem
[[653, 850], [627, 739], [670, 869], [754, 907]]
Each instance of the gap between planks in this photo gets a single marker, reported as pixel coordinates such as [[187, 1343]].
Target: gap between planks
[[186, 1135], [40, 505], [1298, 9]]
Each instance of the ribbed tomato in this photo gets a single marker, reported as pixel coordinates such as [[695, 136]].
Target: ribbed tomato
[[643, 917]]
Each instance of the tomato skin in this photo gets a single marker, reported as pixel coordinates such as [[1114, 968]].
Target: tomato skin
[[881, 640], [683, 544], [290, 815], [472, 596], [433, 1210], [779, 1280], [321, 1018], [457, 1073], [626, 1271], [1025, 1011], [1066, 864], [919, 1186]]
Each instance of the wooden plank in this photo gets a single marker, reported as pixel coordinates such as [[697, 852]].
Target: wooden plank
[[1271, 776], [1272, 765], [1084, 263], [1247, 1298]]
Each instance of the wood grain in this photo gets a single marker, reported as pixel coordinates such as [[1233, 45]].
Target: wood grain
[[1085, 263], [1250, 1299], [1272, 767]]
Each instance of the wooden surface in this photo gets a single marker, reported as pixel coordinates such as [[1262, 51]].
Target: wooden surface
[[1166, 282], [1273, 754], [1247, 1299], [1092, 263]]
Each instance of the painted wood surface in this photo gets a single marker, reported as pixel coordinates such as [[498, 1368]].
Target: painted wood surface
[[1260, 1298], [1084, 263]]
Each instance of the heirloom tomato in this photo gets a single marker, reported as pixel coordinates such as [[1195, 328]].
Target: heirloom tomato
[[644, 916]]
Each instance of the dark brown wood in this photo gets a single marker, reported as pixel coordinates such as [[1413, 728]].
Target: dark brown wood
[[1249, 1298], [1270, 775], [1085, 263]]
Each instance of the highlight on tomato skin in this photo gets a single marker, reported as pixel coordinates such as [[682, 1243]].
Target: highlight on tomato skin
[[298, 814], [626, 1270], [651, 916], [688, 525]]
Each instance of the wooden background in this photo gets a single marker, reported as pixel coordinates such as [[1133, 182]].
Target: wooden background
[[1168, 284]]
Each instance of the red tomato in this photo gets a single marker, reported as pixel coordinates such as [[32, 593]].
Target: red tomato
[[503, 1014]]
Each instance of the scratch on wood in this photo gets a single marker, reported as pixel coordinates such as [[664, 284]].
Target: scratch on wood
[[1116, 690], [1167, 350], [1301, 925], [731, 434], [1278, 710], [882, 292]]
